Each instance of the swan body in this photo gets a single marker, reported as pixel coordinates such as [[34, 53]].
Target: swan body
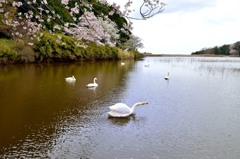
[[167, 77], [122, 110], [70, 79], [94, 84], [122, 63]]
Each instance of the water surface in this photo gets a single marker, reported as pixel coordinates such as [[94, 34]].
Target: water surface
[[195, 114]]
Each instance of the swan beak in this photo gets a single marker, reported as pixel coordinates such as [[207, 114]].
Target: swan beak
[[143, 103]]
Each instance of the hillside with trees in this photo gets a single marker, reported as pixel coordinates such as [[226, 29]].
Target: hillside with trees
[[64, 30], [227, 49]]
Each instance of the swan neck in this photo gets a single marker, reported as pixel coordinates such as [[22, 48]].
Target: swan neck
[[134, 106]]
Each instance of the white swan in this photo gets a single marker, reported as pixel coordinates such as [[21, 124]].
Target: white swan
[[122, 63], [147, 65], [94, 84], [167, 77], [122, 110], [70, 79]]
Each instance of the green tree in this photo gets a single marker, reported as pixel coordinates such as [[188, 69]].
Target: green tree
[[5, 30], [132, 44]]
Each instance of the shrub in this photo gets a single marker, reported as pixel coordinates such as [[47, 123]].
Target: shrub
[[127, 54], [25, 52], [59, 47], [12, 51], [7, 52]]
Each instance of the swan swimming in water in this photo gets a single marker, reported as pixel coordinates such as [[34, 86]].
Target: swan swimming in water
[[122, 63], [94, 84], [146, 65], [167, 77], [70, 79], [122, 110]]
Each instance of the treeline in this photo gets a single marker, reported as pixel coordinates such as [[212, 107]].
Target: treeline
[[48, 50], [227, 49], [20, 43]]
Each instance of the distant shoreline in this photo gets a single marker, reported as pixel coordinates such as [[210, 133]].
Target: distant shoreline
[[165, 55], [184, 55]]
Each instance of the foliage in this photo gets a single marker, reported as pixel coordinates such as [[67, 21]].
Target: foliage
[[25, 52], [88, 20], [7, 53], [82, 18], [137, 54], [124, 54], [15, 51], [5, 30], [58, 47], [133, 43], [101, 52], [73, 30], [50, 48], [237, 46], [222, 50]]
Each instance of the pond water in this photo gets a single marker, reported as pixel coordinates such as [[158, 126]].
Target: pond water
[[194, 114]]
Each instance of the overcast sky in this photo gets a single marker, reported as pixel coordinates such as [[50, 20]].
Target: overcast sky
[[187, 26]]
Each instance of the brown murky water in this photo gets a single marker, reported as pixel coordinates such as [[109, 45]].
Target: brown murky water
[[195, 114]]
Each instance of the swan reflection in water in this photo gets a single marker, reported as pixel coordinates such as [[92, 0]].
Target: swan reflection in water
[[121, 121], [132, 120]]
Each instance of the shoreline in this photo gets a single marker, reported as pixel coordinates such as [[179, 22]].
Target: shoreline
[[184, 55]]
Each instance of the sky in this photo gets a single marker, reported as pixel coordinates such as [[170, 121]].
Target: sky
[[186, 26]]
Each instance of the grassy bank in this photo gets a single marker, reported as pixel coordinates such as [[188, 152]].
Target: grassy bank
[[15, 51], [58, 47]]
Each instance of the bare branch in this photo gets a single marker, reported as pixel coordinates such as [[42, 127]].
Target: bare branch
[[149, 9]]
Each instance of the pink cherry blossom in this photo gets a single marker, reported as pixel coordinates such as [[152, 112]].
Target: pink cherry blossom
[[88, 27]]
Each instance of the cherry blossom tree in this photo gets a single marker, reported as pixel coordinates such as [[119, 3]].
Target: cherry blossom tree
[[132, 44], [88, 20]]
